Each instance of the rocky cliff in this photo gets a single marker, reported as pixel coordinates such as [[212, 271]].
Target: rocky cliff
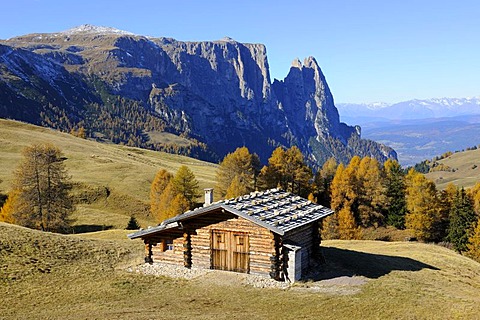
[[216, 92]]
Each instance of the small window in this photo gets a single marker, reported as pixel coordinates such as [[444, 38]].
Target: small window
[[240, 240], [220, 238], [168, 244]]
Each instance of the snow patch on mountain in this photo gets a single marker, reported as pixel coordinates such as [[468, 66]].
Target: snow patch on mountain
[[88, 28]]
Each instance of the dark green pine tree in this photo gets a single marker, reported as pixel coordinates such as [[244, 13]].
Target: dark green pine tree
[[133, 224], [462, 219], [395, 183]]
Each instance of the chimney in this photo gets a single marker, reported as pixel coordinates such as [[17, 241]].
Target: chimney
[[208, 196]]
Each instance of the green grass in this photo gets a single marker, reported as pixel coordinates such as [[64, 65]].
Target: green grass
[[125, 171], [50, 276], [467, 170]]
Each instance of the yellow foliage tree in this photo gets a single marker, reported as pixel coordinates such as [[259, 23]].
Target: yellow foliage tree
[[371, 190], [287, 168], [163, 211], [473, 244], [237, 188], [241, 164], [160, 182], [424, 215], [179, 204], [347, 227], [8, 209]]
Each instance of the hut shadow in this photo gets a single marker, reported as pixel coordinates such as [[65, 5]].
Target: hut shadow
[[342, 262]]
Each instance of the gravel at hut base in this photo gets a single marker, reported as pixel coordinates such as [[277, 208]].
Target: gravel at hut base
[[222, 277], [335, 285]]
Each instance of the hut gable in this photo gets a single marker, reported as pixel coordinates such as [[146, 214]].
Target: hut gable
[[254, 233]]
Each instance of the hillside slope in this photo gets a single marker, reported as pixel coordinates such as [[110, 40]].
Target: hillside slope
[[464, 170], [46, 276], [113, 180]]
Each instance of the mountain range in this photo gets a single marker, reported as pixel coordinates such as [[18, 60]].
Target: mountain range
[[212, 96], [419, 129]]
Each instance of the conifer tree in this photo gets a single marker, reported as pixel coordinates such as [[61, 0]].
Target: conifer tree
[[395, 193], [347, 227], [160, 182], [241, 164], [237, 188], [462, 219], [178, 205], [473, 244], [343, 198], [185, 183], [371, 193], [323, 180], [7, 210], [164, 202], [287, 169], [132, 224], [42, 185], [424, 217]]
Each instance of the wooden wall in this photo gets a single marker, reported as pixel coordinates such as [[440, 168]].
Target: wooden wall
[[193, 242], [306, 237], [261, 241]]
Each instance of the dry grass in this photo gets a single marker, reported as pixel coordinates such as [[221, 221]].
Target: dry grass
[[49, 276], [126, 172], [467, 170]]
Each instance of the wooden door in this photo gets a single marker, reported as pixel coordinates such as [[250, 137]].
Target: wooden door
[[230, 251]]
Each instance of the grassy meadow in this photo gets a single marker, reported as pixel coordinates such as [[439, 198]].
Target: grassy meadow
[[84, 275], [52, 276], [113, 181], [467, 170]]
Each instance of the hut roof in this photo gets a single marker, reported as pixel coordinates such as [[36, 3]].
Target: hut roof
[[274, 209]]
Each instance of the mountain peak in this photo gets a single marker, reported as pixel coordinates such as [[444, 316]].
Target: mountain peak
[[296, 63], [88, 28]]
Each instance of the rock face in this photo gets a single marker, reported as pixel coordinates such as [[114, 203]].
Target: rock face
[[218, 92]]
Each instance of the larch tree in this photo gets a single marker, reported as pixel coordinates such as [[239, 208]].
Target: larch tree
[[371, 190], [7, 210], [323, 180], [424, 217], [42, 188], [462, 220], [160, 182], [395, 193], [473, 245], [241, 166], [237, 188], [343, 197], [474, 193], [287, 169], [185, 183]]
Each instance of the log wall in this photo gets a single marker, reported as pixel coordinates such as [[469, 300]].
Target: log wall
[[199, 230], [306, 237], [261, 240]]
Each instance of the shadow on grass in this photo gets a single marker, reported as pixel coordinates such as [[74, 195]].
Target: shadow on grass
[[342, 262], [83, 228]]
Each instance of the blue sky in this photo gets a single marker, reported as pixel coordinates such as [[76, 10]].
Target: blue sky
[[369, 50]]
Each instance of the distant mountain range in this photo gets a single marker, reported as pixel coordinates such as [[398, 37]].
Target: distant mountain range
[[409, 110], [418, 129], [214, 96]]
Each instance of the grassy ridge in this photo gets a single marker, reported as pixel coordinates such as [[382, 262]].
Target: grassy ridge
[[56, 276], [467, 170], [126, 172]]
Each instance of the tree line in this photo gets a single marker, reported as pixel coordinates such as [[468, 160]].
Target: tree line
[[363, 193]]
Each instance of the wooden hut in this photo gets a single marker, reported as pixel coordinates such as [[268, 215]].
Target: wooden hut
[[273, 233]]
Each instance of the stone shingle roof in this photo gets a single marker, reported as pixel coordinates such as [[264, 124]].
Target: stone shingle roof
[[274, 209]]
